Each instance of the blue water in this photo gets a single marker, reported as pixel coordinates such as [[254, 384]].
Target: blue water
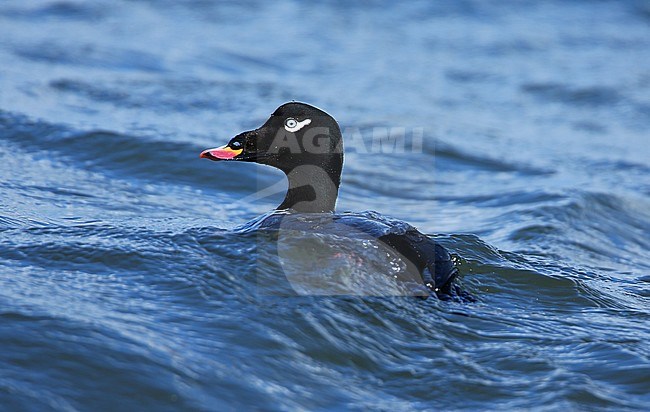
[[124, 286]]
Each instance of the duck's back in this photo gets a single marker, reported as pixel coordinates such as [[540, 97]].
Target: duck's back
[[424, 259]]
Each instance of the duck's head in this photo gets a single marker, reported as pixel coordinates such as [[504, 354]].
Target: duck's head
[[302, 141]]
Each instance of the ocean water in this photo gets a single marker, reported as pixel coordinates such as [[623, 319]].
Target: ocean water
[[124, 283]]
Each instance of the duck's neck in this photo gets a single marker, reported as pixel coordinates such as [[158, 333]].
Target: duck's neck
[[312, 189]]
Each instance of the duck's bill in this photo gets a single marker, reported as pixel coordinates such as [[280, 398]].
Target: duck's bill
[[221, 153]]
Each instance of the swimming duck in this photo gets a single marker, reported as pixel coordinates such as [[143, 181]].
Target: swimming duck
[[306, 144]]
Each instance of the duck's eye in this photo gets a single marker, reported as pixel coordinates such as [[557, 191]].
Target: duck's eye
[[235, 145], [291, 123]]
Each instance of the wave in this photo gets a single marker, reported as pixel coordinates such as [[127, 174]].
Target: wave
[[127, 156]]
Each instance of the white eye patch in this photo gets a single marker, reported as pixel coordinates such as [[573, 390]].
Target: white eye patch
[[292, 125]]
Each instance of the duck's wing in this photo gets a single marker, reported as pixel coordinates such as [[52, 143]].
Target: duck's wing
[[421, 252]]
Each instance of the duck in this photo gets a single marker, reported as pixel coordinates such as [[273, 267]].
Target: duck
[[306, 144]]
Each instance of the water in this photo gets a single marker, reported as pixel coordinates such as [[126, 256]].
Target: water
[[123, 284]]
